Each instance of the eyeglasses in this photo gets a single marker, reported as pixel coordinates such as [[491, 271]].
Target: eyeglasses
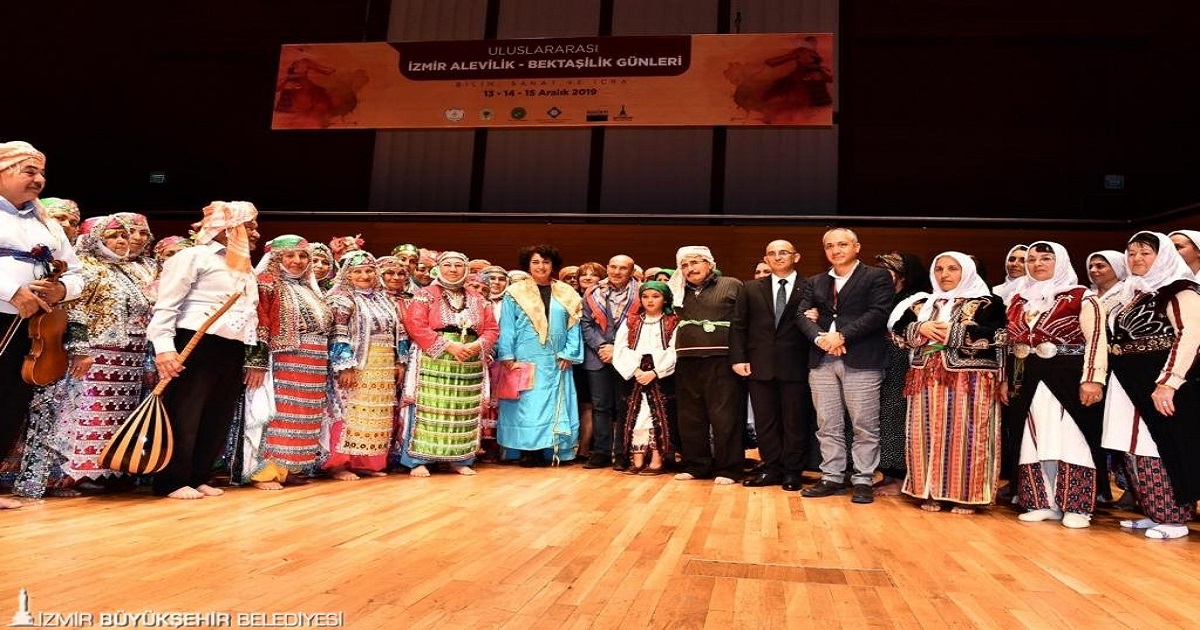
[[782, 254]]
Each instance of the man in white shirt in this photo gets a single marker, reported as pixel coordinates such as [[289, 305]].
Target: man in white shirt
[[29, 240], [202, 399]]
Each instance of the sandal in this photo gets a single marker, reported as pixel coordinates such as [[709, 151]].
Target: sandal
[[962, 509], [632, 470], [650, 471]]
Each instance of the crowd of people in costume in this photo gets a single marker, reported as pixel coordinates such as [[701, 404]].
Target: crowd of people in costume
[[328, 362]]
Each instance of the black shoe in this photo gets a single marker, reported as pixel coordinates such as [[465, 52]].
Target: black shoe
[[596, 460], [762, 479], [863, 493], [792, 483], [621, 463], [823, 488]]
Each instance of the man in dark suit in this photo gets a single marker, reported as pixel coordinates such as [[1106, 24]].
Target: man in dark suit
[[766, 347], [852, 301]]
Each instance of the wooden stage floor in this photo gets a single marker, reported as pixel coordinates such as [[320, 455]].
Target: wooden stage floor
[[574, 548]]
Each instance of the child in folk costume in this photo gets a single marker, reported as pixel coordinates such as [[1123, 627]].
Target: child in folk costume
[[644, 352], [282, 445], [364, 354]]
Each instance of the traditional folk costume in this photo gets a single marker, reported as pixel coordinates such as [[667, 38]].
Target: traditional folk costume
[[29, 240], [450, 395], [646, 344], [1194, 237], [110, 319], [1058, 341], [142, 265], [282, 436], [169, 246], [1011, 286], [62, 210], [953, 431], [364, 338], [321, 250], [487, 421], [1116, 260], [402, 299], [202, 401], [540, 324], [1153, 341]]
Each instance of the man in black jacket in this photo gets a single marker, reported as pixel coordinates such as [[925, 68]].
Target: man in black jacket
[[846, 369], [766, 347]]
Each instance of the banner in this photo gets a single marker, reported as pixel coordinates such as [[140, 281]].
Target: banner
[[684, 80]]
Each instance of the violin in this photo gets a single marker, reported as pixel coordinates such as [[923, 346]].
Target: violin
[[47, 358]]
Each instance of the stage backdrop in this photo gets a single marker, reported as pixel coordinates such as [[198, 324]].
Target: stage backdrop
[[783, 79]]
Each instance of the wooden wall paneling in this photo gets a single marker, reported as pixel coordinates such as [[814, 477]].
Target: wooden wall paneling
[[784, 16], [424, 170], [548, 18], [536, 170], [658, 170], [422, 20], [664, 17], [781, 171]]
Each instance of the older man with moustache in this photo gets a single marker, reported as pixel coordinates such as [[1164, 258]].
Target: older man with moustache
[[709, 397], [767, 348], [29, 240], [605, 306], [846, 369]]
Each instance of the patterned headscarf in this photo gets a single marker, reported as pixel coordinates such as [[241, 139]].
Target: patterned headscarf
[[339, 245], [322, 250], [440, 281], [230, 218], [274, 250], [91, 242], [406, 248], [133, 219], [56, 207], [350, 260], [168, 243], [677, 280], [477, 265], [16, 152]]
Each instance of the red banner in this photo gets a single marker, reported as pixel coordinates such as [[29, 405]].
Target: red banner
[[690, 80]]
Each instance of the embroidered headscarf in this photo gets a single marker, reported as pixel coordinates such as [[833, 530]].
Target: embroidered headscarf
[[292, 315], [170, 245], [350, 260], [1011, 286], [490, 272], [442, 282], [969, 286], [273, 255], [339, 245], [135, 220], [1039, 294], [91, 242], [477, 265], [676, 283], [229, 218], [321, 250], [406, 248], [57, 207]]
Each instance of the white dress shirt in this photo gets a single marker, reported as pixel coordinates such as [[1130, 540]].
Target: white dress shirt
[[22, 230], [195, 283]]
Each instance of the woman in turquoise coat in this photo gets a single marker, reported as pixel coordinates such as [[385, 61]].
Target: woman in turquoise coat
[[539, 326]]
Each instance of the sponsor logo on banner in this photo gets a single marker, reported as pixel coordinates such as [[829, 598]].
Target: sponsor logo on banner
[[623, 115], [597, 115], [486, 114], [554, 112], [518, 113], [455, 114]]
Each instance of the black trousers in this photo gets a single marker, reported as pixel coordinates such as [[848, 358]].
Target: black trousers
[[783, 420], [15, 393], [610, 394], [709, 396], [201, 403]]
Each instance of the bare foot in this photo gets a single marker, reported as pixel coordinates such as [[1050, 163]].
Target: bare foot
[[684, 476], [9, 504], [888, 487], [343, 475], [962, 509], [268, 485], [63, 493], [373, 473], [931, 506], [465, 471], [723, 481], [209, 491], [186, 492], [419, 471]]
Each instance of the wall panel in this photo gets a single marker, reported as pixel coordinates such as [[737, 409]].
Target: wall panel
[[657, 171], [422, 170], [422, 20], [548, 18], [664, 17], [536, 170]]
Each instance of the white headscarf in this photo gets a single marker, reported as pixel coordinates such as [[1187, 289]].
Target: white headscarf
[[1039, 294], [1011, 286], [1194, 237], [1115, 259], [1167, 268], [677, 281], [970, 286], [453, 286]]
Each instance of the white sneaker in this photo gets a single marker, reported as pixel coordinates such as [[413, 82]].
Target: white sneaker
[[1045, 514], [1075, 520]]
